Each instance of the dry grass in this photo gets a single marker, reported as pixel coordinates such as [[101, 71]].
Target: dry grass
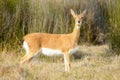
[[93, 63]]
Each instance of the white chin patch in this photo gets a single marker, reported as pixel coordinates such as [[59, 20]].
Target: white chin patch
[[78, 27], [25, 46], [50, 52]]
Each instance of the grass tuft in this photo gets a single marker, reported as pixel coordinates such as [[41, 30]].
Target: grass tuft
[[93, 65]]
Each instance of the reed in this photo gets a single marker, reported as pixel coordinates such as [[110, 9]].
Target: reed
[[20, 17]]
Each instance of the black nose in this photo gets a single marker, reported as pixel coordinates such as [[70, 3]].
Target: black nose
[[78, 21]]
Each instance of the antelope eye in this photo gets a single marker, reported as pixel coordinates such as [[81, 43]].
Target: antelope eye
[[81, 17], [78, 21]]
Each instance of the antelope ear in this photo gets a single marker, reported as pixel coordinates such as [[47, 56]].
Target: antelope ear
[[73, 13], [84, 12]]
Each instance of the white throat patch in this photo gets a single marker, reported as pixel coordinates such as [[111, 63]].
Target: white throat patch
[[78, 27]]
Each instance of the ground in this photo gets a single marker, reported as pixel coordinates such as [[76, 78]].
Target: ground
[[89, 63]]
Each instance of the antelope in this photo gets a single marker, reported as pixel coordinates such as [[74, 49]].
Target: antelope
[[53, 44]]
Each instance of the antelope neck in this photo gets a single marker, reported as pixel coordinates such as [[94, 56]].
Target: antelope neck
[[76, 33]]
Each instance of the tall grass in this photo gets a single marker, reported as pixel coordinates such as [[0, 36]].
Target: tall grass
[[114, 30], [20, 17]]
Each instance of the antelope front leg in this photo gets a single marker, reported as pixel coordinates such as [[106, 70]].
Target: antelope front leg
[[67, 62]]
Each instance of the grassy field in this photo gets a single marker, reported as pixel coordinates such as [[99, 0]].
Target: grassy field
[[89, 63], [20, 17]]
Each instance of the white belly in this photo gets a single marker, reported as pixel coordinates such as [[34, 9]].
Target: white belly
[[50, 52]]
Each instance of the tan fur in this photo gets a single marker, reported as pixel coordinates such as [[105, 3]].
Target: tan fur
[[62, 42]]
